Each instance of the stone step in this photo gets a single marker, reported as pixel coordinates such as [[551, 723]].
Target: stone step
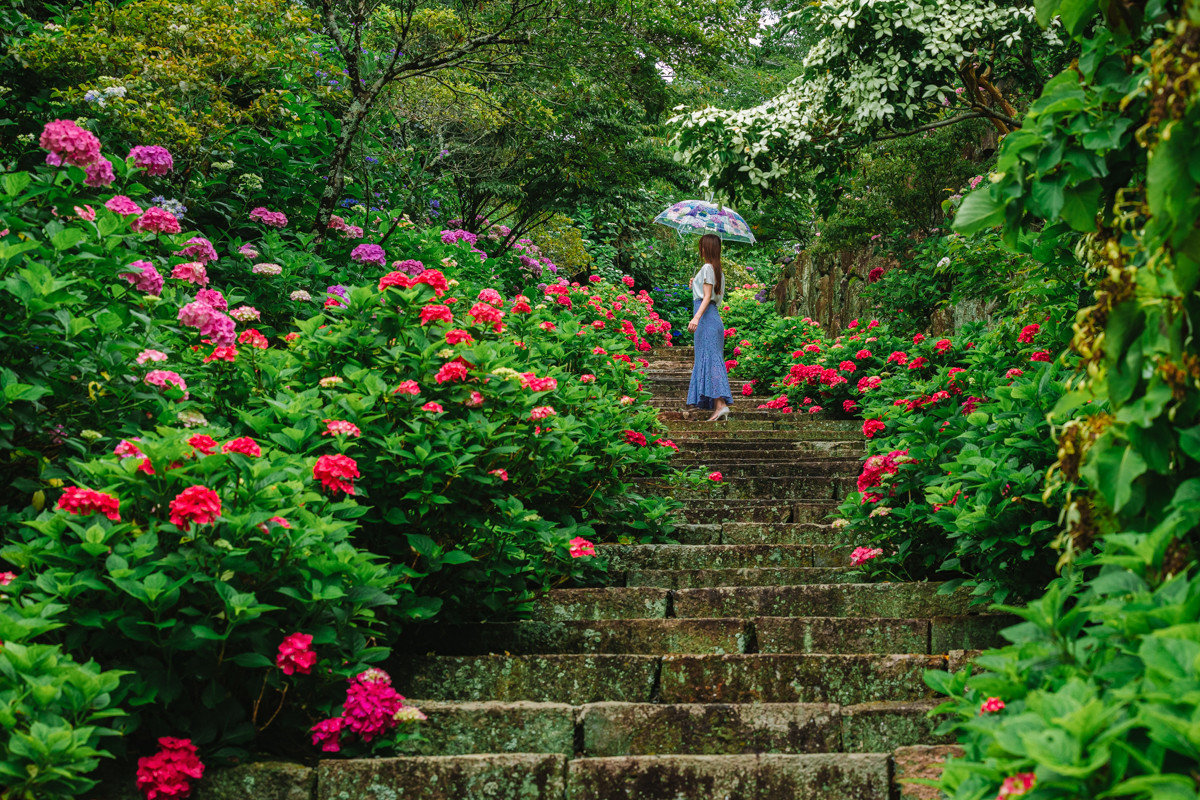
[[622, 729], [817, 776], [684, 557], [494, 776], [751, 533], [891, 600], [600, 636], [774, 449], [846, 679], [791, 487], [701, 578], [772, 467], [796, 678], [757, 511], [660, 636], [752, 426]]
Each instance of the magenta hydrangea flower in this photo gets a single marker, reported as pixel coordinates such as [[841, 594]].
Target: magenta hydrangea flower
[[120, 204], [162, 378], [99, 173], [198, 249], [209, 321], [369, 254], [328, 733], [371, 704], [154, 159], [68, 143], [156, 220], [146, 279]]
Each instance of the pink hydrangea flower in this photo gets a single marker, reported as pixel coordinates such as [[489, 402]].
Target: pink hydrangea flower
[[213, 297], [156, 160], [872, 426], [542, 412], [296, 654], [169, 773], [502, 474], [156, 220], [275, 219], [7, 577], [211, 322], [340, 427], [581, 547], [862, 555], [80, 501], [327, 734], [150, 355], [433, 408], [99, 173], [475, 401], [246, 314], [120, 204], [336, 473], [248, 251], [68, 143], [147, 278], [191, 272], [162, 378], [716, 477], [407, 387], [243, 445], [371, 704], [199, 249], [1017, 785], [127, 449], [197, 504]]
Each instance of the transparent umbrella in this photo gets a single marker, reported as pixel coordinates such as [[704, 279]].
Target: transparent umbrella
[[702, 216]]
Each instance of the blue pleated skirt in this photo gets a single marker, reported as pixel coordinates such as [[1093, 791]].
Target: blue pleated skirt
[[710, 379]]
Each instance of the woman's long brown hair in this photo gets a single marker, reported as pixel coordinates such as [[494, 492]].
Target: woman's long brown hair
[[710, 253]]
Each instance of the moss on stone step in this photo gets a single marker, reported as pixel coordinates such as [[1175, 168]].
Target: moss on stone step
[[835, 776], [613, 602], [606, 636], [617, 729], [763, 678], [696, 578], [884, 726], [538, 678], [894, 600], [494, 727], [841, 635], [477, 777]]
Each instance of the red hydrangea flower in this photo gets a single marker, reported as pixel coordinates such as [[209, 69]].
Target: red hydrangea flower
[[716, 477], [667, 443], [918, 338], [203, 443], [197, 504], [436, 312], [847, 366], [849, 406], [407, 387], [502, 474], [1014, 373], [433, 408], [862, 555], [991, 706], [918, 362], [252, 337], [1028, 332], [484, 314], [435, 279], [635, 438], [1040, 355], [747, 390], [1016, 785], [169, 772], [244, 445], [458, 336], [336, 473], [328, 733], [581, 547], [942, 345], [397, 279], [875, 274], [898, 357], [451, 371], [222, 354], [296, 654], [80, 501]]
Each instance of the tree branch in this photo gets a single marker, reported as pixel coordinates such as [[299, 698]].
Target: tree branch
[[984, 114]]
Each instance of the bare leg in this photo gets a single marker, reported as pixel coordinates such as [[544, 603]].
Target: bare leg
[[718, 406]]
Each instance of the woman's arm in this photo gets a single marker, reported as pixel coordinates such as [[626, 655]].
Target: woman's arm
[[708, 289]]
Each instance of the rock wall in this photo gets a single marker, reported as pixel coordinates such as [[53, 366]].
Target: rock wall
[[828, 288]]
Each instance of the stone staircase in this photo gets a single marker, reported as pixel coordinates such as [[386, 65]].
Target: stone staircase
[[744, 663]]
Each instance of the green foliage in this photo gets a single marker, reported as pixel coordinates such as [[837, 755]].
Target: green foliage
[[1101, 679], [195, 612], [54, 711]]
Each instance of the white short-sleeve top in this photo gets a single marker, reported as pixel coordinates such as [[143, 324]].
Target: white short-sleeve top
[[706, 275]]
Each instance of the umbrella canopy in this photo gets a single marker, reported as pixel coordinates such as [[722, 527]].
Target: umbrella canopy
[[701, 216]]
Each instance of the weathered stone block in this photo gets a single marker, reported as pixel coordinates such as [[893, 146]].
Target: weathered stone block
[[698, 578], [267, 780], [538, 678], [896, 600], [608, 603], [493, 727], [617, 729], [841, 635], [687, 557], [834, 776], [763, 678], [974, 632], [474, 777], [883, 726], [783, 532]]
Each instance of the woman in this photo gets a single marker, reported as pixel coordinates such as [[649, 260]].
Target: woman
[[710, 380]]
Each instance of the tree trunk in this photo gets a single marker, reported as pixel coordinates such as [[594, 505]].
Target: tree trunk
[[351, 124]]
